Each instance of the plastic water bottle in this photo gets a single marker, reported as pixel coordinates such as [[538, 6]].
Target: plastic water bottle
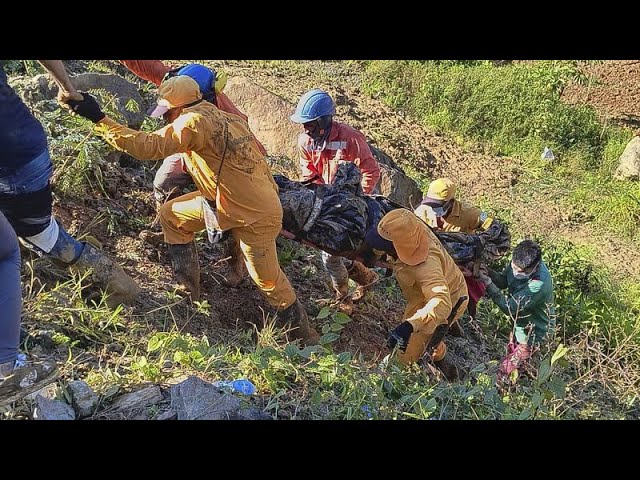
[[366, 409], [243, 386], [21, 360]]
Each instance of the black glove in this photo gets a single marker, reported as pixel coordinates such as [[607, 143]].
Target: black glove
[[400, 335], [87, 107]]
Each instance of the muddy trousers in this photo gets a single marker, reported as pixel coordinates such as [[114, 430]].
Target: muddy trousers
[[183, 216], [418, 341], [10, 293], [171, 178], [337, 268]]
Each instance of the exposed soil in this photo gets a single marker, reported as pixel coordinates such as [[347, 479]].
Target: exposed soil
[[613, 90], [117, 221]]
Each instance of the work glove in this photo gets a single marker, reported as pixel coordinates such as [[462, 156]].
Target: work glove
[[400, 336], [484, 279], [483, 275], [87, 107]]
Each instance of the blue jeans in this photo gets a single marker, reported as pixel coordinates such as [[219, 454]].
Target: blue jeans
[[30, 177], [25, 195], [25, 201], [10, 293]]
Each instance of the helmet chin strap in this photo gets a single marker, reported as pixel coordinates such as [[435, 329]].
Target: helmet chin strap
[[193, 103], [324, 127]]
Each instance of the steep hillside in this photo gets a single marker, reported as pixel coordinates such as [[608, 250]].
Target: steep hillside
[[162, 338]]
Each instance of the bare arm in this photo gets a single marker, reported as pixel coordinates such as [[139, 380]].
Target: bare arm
[[57, 71]]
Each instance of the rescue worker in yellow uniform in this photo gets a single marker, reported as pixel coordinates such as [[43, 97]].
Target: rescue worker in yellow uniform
[[430, 281], [443, 212], [232, 177]]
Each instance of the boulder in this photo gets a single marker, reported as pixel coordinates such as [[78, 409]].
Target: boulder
[[629, 162]]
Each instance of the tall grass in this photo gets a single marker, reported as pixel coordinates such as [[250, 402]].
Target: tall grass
[[517, 110]]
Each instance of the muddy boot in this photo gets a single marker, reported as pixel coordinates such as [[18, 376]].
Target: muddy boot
[[456, 330], [448, 368], [296, 317], [120, 287], [186, 268], [236, 263], [345, 300], [364, 277], [17, 382]]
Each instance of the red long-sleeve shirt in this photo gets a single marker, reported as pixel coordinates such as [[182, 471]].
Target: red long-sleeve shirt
[[344, 143], [154, 71]]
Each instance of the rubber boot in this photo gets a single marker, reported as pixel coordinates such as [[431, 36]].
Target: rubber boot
[[456, 330], [364, 277], [296, 317], [186, 268], [448, 368], [236, 263], [120, 287]]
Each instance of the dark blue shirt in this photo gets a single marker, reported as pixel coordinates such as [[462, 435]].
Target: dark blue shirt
[[22, 137]]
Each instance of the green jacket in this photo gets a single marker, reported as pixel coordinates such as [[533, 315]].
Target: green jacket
[[529, 301]]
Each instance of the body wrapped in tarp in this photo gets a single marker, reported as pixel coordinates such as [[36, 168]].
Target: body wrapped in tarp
[[487, 246], [333, 217], [336, 218]]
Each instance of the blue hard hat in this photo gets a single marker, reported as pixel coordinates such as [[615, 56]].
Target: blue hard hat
[[314, 104], [204, 77]]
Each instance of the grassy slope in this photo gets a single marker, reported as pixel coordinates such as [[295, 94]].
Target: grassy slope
[[116, 350]]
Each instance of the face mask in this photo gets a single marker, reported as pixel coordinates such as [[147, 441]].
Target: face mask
[[439, 211], [520, 275], [312, 129], [443, 210]]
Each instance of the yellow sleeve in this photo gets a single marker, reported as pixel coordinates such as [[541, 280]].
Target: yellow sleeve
[[473, 219], [180, 136], [435, 290]]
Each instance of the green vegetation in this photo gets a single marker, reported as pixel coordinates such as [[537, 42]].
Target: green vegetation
[[112, 350], [517, 110], [588, 370]]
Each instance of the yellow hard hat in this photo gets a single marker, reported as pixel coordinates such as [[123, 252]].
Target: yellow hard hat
[[441, 189]]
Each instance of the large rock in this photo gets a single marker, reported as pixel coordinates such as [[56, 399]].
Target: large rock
[[195, 399], [42, 87], [139, 399], [50, 409], [629, 162], [168, 415], [268, 116], [394, 184], [83, 398], [269, 121]]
